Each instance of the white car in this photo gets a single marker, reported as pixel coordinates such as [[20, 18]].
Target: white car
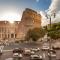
[[35, 57], [17, 55], [35, 49], [52, 54], [27, 52], [45, 48], [32, 52], [1, 49]]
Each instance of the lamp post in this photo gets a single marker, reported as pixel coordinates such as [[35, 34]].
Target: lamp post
[[5, 30], [50, 18]]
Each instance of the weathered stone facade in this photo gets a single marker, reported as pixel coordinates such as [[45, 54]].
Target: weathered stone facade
[[30, 19], [17, 30], [8, 30]]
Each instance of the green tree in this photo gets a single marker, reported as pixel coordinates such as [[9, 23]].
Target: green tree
[[54, 31], [35, 34], [54, 34]]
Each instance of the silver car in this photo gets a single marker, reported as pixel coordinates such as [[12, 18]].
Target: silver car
[[35, 57]]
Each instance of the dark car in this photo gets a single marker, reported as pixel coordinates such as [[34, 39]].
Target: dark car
[[56, 47], [18, 50], [0, 53]]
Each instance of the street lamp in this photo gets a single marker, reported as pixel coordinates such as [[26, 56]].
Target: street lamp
[[5, 30], [50, 17]]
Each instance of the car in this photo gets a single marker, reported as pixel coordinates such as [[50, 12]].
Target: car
[[35, 49], [27, 52], [17, 55], [52, 50], [32, 52], [45, 48], [17, 50], [35, 57], [56, 47], [1, 50], [51, 54], [0, 53], [21, 50]]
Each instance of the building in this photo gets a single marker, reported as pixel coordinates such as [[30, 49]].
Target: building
[[8, 30], [30, 19], [17, 30]]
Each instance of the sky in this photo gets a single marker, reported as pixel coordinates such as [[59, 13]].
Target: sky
[[12, 10], [54, 7]]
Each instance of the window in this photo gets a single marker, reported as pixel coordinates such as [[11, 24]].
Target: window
[[12, 35]]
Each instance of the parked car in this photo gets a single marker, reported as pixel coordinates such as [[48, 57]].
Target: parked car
[[35, 57]]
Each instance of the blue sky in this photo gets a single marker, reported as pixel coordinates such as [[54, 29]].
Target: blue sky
[[18, 6], [35, 4]]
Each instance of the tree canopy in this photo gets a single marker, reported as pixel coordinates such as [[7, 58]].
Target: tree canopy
[[54, 31], [35, 34]]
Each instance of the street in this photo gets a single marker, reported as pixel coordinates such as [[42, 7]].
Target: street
[[7, 52]]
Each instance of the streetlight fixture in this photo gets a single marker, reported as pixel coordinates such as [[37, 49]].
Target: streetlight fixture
[[50, 18]]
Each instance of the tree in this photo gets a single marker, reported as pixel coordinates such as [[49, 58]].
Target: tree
[[54, 34], [54, 31], [35, 34]]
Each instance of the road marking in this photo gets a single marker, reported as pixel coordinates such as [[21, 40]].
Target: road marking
[[9, 59], [43, 55], [7, 50]]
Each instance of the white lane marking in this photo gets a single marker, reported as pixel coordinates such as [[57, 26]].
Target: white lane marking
[[44, 55], [7, 50]]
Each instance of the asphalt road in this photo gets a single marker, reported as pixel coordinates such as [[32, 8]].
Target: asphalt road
[[8, 51]]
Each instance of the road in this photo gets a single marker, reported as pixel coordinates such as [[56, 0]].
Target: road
[[8, 51]]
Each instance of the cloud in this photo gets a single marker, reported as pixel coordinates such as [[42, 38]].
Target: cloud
[[37, 0], [44, 19], [10, 13], [53, 8]]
